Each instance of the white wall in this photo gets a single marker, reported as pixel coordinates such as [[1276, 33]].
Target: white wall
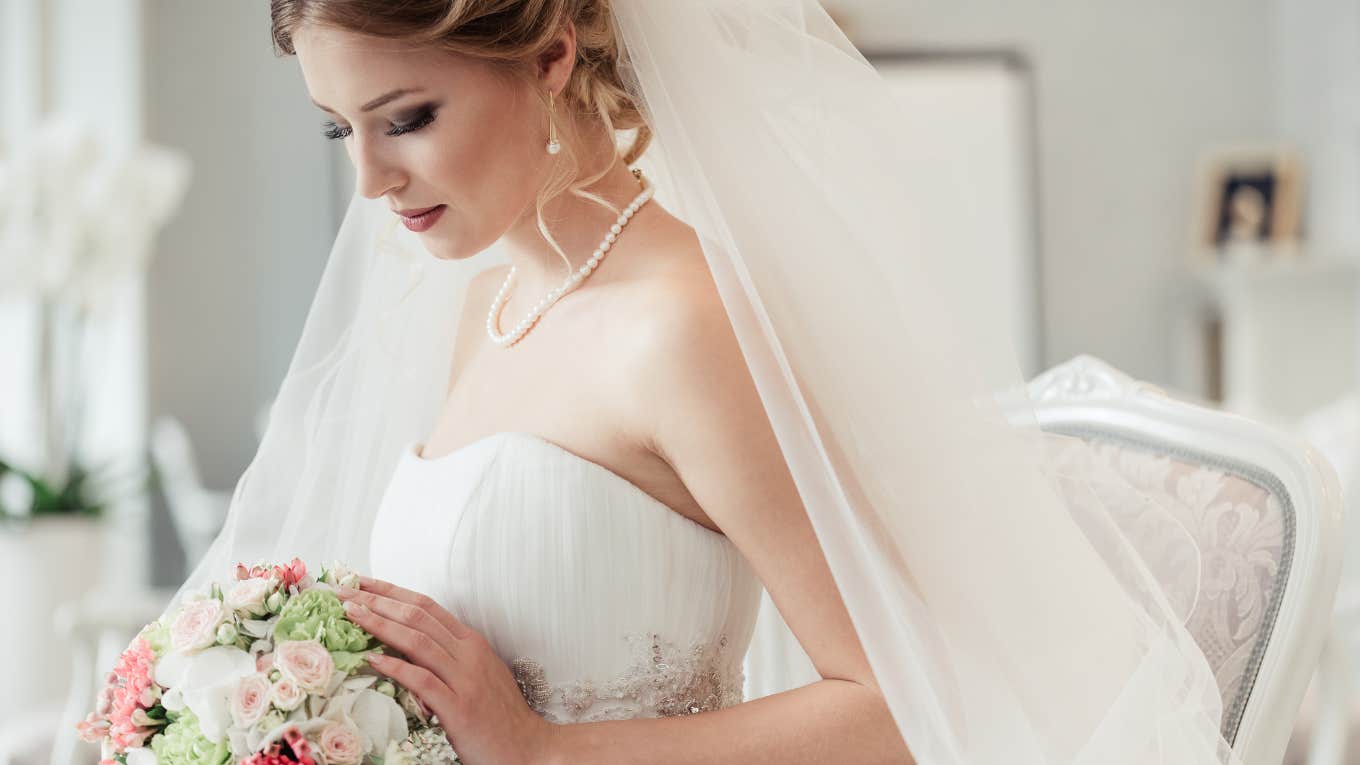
[[239, 265], [21, 32], [1316, 100], [1129, 92]]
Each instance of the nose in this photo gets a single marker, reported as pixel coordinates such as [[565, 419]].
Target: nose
[[374, 173]]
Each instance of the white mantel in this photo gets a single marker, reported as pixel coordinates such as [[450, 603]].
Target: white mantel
[[1291, 331]]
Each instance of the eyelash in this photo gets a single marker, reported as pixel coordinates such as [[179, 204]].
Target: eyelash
[[335, 132]]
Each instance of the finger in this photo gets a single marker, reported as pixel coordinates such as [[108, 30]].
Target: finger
[[424, 602], [417, 646], [434, 693], [407, 614]]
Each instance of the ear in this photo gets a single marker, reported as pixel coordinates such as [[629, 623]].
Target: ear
[[555, 63]]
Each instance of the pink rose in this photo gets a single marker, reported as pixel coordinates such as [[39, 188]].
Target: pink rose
[[248, 596], [342, 744], [286, 694], [307, 662], [196, 626], [250, 701]]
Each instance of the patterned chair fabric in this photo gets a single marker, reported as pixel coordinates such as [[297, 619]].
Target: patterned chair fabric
[[1242, 522]]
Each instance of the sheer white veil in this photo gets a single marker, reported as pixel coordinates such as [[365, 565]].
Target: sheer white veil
[[1005, 615]]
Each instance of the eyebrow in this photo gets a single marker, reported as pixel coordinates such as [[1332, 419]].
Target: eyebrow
[[375, 103]]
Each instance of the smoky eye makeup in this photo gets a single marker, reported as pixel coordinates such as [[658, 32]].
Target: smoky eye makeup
[[418, 118], [422, 116]]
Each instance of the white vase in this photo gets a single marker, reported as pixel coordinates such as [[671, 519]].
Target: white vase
[[43, 563]]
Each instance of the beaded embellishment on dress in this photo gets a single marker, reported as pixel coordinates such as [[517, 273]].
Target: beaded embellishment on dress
[[662, 680]]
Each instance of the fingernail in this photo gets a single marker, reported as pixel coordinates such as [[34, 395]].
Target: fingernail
[[356, 608], [346, 592]]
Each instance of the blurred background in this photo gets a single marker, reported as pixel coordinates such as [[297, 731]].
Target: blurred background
[[1171, 186]]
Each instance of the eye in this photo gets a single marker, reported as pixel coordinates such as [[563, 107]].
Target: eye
[[425, 118], [336, 132]]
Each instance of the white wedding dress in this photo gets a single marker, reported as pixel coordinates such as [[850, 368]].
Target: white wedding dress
[[604, 602]]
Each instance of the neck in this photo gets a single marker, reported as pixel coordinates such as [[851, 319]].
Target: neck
[[577, 224]]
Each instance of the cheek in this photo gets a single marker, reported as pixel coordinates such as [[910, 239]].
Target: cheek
[[488, 173]]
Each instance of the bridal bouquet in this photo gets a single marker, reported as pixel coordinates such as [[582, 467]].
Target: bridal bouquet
[[264, 670]]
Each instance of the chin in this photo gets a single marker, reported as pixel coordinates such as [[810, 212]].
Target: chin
[[442, 249]]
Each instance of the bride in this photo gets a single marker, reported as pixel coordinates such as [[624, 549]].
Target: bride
[[636, 312], [633, 386]]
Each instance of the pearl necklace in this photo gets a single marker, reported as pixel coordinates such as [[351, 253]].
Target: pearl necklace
[[571, 283]]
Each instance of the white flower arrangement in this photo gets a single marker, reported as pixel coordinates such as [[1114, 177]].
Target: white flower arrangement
[[218, 683], [79, 214], [78, 219]]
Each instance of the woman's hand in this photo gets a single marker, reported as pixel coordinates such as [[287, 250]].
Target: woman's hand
[[451, 668]]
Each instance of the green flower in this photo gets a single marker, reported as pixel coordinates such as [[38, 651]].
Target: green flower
[[158, 636], [183, 743], [318, 615]]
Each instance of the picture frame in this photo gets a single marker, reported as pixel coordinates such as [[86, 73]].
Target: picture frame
[[1250, 205]]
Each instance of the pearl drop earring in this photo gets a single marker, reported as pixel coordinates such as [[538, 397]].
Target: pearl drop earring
[[553, 145]]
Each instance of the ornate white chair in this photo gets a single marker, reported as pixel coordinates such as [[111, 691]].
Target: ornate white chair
[[1265, 510]]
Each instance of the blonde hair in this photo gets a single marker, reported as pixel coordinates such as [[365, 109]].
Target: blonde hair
[[513, 33]]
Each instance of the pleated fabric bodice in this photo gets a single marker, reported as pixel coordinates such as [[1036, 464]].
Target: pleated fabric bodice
[[604, 602]]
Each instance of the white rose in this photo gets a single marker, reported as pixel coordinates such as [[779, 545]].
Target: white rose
[[286, 694], [342, 744], [248, 596], [341, 575], [250, 701], [226, 633], [307, 662], [196, 626]]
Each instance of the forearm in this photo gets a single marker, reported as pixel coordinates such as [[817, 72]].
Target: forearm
[[826, 721]]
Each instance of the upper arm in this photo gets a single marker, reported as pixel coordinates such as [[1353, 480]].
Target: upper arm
[[712, 429]]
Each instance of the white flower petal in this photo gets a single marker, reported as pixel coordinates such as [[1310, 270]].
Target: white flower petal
[[379, 719], [141, 756], [205, 681]]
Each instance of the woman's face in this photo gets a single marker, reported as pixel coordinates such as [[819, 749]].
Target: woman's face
[[460, 134]]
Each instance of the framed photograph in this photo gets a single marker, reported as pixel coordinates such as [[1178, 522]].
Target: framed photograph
[[1250, 206]]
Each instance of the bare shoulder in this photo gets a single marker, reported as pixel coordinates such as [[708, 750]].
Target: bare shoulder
[[681, 313], [690, 364]]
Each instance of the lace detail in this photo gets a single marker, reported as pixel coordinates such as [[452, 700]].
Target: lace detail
[[663, 680]]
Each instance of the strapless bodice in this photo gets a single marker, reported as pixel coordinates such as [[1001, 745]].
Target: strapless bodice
[[605, 603]]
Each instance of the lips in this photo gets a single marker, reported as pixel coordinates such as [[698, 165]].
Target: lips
[[415, 212], [422, 219]]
